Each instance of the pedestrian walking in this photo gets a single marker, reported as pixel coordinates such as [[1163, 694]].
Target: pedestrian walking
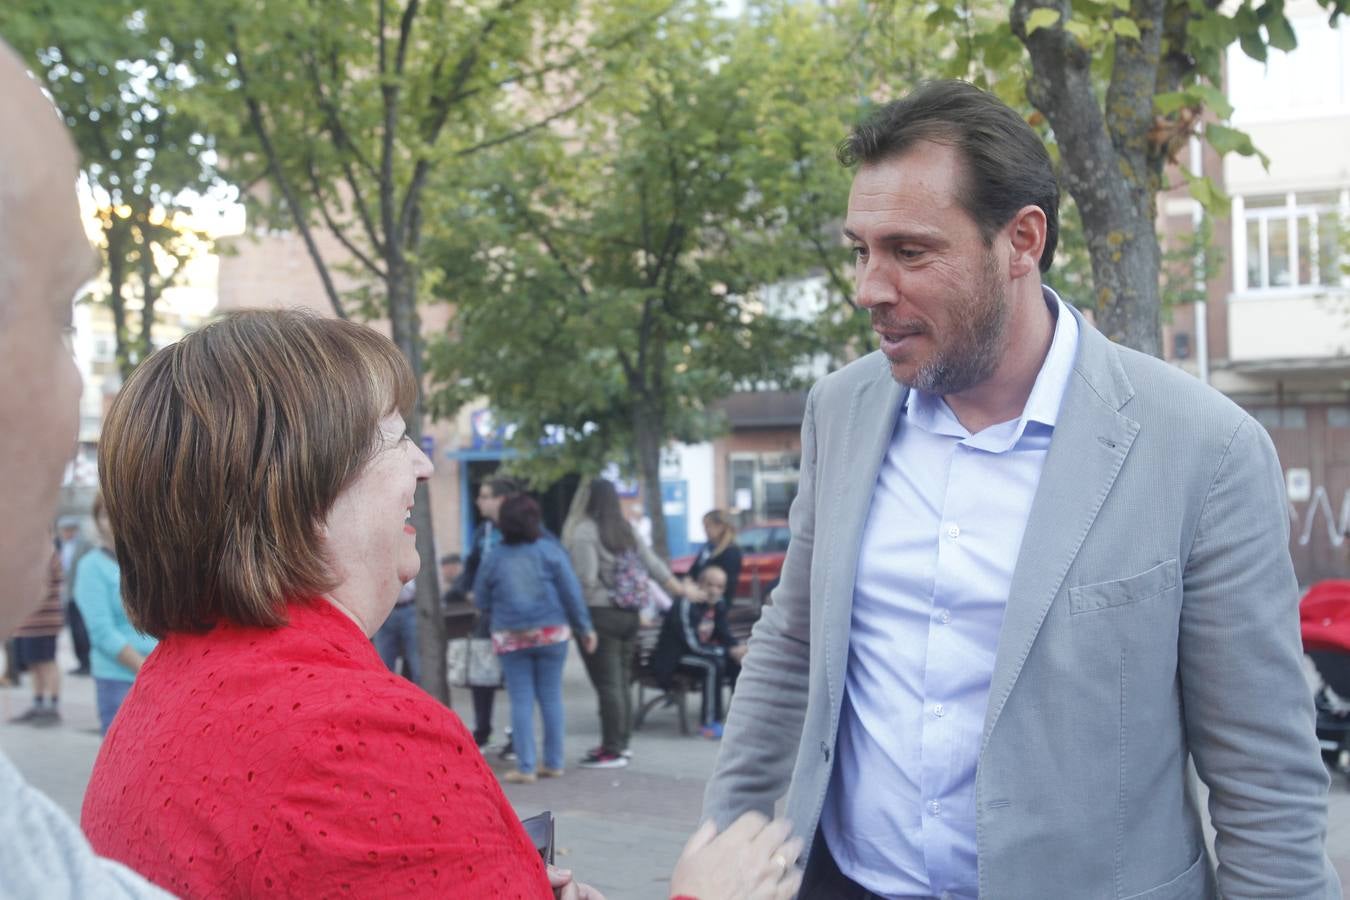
[[530, 597], [118, 648], [397, 638], [613, 567], [73, 546], [35, 643]]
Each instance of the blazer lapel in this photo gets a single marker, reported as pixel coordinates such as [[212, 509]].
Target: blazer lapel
[[1090, 443], [873, 410]]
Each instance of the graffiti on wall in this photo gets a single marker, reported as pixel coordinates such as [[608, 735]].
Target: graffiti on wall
[[1318, 512]]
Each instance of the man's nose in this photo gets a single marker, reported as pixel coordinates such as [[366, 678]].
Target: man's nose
[[877, 284]]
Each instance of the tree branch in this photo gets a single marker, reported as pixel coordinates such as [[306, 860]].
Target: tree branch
[[334, 228], [259, 125]]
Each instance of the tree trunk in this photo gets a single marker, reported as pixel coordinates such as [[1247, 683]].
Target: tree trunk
[[1107, 164], [405, 329], [145, 345], [649, 429], [118, 236]]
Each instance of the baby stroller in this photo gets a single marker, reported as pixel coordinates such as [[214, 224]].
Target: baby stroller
[[1324, 619]]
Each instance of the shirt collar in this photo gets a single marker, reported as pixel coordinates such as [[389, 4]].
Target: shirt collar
[[931, 413]]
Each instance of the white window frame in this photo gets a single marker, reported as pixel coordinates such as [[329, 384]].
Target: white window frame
[[1290, 212]]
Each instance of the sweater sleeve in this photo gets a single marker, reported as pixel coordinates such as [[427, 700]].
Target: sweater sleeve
[[584, 550], [654, 566], [569, 588], [97, 595]]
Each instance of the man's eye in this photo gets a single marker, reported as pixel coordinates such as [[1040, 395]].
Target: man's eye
[[858, 252]]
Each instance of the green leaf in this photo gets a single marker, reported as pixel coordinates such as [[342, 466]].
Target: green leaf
[[1122, 5], [1041, 18], [1170, 102], [1252, 45], [1214, 99], [1281, 33], [1125, 28], [1230, 140], [1081, 30]]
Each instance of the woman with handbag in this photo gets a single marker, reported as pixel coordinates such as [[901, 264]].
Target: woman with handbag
[[612, 565], [532, 601]]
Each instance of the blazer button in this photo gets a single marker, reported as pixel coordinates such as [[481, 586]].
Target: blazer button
[[825, 750]]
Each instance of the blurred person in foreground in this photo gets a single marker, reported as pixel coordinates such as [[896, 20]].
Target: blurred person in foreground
[[44, 259], [118, 649], [259, 477], [1031, 575], [532, 601]]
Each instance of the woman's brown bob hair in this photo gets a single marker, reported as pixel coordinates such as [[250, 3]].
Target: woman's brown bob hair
[[221, 458]]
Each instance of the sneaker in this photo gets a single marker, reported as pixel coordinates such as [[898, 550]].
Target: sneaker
[[46, 717], [30, 717], [546, 772], [712, 731], [508, 752], [481, 738], [626, 753], [515, 776], [599, 759]]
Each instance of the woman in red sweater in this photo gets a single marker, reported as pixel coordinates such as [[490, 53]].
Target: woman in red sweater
[[259, 477]]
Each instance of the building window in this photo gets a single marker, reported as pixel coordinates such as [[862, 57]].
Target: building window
[[1294, 240], [1281, 416], [1338, 417], [763, 485]]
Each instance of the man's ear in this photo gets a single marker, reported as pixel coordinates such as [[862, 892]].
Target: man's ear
[[1026, 237]]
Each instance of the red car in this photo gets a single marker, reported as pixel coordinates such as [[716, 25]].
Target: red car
[[763, 547]]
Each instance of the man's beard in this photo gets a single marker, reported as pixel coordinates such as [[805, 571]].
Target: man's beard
[[976, 338]]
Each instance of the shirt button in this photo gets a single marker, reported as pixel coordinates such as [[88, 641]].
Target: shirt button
[[939, 710], [953, 531], [934, 807], [945, 617]]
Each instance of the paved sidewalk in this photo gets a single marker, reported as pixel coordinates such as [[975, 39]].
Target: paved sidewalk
[[619, 829]]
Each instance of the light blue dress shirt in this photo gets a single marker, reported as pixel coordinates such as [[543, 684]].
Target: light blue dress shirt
[[935, 567]]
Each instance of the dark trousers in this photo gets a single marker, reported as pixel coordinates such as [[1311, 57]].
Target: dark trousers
[[610, 669], [79, 635], [708, 669], [482, 713], [823, 880]]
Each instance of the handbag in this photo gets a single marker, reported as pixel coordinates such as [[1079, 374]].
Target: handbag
[[472, 662]]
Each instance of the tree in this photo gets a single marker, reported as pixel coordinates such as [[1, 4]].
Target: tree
[[617, 278], [356, 115], [114, 81], [1123, 84]]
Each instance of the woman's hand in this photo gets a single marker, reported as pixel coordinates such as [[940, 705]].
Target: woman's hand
[[589, 642], [565, 888], [754, 859]]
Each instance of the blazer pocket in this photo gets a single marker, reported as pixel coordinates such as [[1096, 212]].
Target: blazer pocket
[[1135, 589]]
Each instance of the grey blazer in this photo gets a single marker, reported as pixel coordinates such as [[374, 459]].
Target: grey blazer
[[1152, 615]]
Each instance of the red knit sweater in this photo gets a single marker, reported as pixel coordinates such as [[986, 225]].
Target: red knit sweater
[[290, 761]]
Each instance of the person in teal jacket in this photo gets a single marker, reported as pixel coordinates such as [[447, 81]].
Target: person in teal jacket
[[118, 649]]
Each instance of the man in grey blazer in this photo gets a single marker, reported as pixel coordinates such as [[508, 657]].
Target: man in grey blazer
[[1031, 574]]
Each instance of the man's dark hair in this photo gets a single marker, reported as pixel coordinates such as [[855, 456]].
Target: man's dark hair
[[1006, 164], [519, 519], [449, 558], [502, 486]]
